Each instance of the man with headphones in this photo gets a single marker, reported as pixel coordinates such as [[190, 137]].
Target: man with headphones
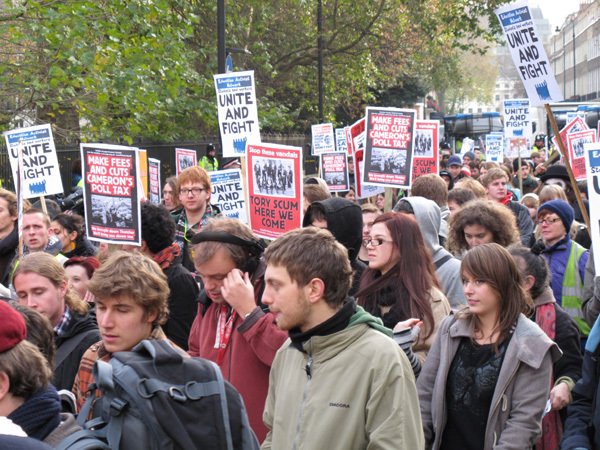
[[232, 328]]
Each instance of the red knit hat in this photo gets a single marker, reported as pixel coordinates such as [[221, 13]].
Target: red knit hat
[[12, 327]]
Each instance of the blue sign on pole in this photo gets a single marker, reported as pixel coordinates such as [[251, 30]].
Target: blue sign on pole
[[228, 64]]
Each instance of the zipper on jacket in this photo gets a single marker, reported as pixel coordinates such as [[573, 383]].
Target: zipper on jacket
[[307, 369]]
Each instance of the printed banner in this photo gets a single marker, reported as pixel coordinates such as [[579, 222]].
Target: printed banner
[[592, 162], [154, 179], [228, 193], [576, 142], [340, 140], [357, 136], [40, 171], [111, 193], [389, 146], [426, 158], [184, 158], [334, 170], [274, 183], [494, 148], [238, 114], [528, 53], [517, 118], [575, 126], [322, 138]]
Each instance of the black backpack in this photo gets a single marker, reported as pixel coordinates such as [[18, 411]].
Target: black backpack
[[155, 397]]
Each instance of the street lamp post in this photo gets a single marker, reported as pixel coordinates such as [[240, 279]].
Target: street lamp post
[[320, 57], [221, 56]]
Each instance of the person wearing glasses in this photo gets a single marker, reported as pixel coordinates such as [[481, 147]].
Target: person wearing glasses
[[193, 186], [566, 258], [400, 285]]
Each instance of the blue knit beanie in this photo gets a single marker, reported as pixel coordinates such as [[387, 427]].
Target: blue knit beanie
[[562, 209]]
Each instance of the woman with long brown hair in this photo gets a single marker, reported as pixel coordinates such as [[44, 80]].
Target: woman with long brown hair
[[486, 381], [400, 285]]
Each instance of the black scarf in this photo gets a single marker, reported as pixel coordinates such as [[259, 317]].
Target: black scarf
[[40, 414], [338, 322]]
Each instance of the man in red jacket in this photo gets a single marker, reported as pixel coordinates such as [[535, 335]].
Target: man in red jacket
[[231, 328]]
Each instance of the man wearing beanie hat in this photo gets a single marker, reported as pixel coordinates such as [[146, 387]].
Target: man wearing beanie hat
[[454, 165], [566, 259], [529, 183], [26, 396], [468, 157]]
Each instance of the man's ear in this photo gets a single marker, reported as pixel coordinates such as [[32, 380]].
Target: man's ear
[[316, 289], [4, 385]]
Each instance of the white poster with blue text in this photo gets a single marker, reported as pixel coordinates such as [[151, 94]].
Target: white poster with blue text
[[528, 53], [494, 148], [228, 193], [238, 114], [592, 162], [517, 118], [41, 174], [341, 145]]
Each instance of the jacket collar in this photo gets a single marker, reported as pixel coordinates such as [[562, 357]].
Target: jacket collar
[[525, 344], [545, 297]]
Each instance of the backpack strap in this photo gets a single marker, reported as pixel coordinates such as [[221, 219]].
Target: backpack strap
[[224, 407], [65, 350], [82, 440]]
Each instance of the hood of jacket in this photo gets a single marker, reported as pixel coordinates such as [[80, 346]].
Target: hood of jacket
[[547, 296], [429, 218], [78, 324], [361, 316], [344, 220]]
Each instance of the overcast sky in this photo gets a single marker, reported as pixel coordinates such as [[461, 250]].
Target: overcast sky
[[556, 10]]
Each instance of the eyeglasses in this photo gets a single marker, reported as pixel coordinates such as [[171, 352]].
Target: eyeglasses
[[548, 221], [375, 242], [195, 191]]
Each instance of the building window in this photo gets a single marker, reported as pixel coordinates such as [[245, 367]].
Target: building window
[[497, 97], [479, 110], [470, 110], [506, 96]]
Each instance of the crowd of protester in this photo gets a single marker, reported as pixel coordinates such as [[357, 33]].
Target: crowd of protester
[[462, 315]]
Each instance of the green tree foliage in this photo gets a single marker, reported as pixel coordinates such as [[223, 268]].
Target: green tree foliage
[[127, 68]]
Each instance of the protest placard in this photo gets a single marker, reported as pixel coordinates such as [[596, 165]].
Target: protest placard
[[274, 183], [517, 118], [184, 158], [228, 193], [154, 180], [349, 140], [143, 170], [515, 145], [426, 158], [528, 53], [40, 171], [322, 138], [340, 140], [592, 162], [334, 170], [238, 114], [494, 148], [574, 126], [363, 190], [390, 134], [576, 142], [111, 193], [357, 136], [467, 145]]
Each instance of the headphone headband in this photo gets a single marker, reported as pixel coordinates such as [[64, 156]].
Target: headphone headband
[[253, 245]]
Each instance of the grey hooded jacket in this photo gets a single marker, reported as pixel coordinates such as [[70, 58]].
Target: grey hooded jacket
[[428, 216]]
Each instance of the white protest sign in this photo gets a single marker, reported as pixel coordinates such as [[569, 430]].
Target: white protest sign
[[238, 115], [322, 138], [592, 162], [228, 193], [467, 145], [528, 53], [154, 180], [494, 148], [41, 175], [341, 145], [517, 118]]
